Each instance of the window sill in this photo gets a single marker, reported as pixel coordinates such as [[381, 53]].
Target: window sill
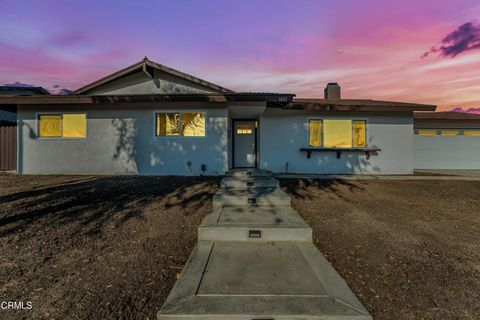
[[339, 151]]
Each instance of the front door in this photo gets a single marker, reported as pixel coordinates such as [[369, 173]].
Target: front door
[[244, 144]]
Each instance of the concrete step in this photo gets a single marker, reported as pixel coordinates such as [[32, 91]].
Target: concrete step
[[250, 182], [246, 173], [260, 280], [254, 223], [251, 196]]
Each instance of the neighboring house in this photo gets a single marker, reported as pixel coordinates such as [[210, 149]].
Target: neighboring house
[[446, 140], [8, 112], [153, 120]]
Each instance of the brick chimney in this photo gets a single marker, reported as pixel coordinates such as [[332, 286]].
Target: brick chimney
[[332, 91]]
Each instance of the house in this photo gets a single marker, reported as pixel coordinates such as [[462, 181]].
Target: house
[[150, 119], [446, 140]]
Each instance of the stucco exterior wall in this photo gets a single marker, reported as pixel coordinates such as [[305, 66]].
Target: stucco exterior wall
[[443, 152], [283, 133], [120, 140], [140, 83]]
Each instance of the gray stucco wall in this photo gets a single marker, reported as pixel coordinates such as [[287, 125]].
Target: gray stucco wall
[[121, 141], [283, 133], [140, 83], [443, 152]]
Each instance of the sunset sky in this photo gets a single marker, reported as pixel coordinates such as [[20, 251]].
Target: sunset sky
[[425, 51]]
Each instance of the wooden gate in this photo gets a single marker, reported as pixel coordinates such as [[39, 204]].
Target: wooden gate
[[8, 145]]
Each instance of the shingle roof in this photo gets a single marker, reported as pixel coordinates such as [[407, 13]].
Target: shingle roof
[[22, 91]]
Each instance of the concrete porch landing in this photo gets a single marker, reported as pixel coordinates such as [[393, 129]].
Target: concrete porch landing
[[255, 260]]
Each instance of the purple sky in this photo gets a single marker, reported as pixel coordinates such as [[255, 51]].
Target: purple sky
[[420, 51]]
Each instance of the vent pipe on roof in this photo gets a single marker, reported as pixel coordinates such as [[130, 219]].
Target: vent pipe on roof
[[332, 91]]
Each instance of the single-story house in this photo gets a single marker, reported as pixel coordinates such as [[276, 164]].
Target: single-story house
[[150, 119], [446, 140]]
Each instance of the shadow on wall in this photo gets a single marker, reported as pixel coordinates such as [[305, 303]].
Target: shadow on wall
[[283, 154], [185, 155], [91, 203], [125, 133]]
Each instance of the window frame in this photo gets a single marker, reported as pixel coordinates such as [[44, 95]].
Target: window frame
[[180, 113], [336, 118], [61, 113]]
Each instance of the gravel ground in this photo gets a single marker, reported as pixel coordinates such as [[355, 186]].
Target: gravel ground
[[96, 247], [408, 249]]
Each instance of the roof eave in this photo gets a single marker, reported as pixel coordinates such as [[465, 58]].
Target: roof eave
[[356, 105], [272, 98]]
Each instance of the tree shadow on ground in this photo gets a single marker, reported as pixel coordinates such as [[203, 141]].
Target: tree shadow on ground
[[96, 201], [301, 188]]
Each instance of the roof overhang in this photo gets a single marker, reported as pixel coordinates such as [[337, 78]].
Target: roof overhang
[[356, 105], [8, 107], [272, 99], [445, 117]]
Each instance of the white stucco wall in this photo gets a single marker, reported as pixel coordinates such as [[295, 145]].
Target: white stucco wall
[[121, 141], [283, 133]]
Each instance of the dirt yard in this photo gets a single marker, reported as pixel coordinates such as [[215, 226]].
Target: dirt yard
[[408, 249], [96, 247], [111, 247]]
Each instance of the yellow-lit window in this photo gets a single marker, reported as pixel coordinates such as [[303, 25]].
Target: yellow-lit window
[[471, 132], [50, 125], [193, 124], [359, 133], [315, 133], [74, 125], [187, 124], [168, 124], [449, 132], [427, 132], [244, 130], [337, 133], [67, 125]]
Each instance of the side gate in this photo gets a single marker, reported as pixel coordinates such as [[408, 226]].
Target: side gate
[[8, 146]]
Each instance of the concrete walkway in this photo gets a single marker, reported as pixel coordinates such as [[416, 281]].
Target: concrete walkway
[[255, 260]]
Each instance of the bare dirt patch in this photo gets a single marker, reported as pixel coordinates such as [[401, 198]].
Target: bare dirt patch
[[408, 249], [94, 247]]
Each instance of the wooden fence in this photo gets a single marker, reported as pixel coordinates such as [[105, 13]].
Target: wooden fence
[[8, 145]]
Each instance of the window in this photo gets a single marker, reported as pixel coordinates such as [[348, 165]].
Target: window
[[449, 132], [244, 130], [471, 132], [168, 124], [193, 124], [315, 129], [187, 124], [68, 125], [337, 133], [427, 132], [359, 133]]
